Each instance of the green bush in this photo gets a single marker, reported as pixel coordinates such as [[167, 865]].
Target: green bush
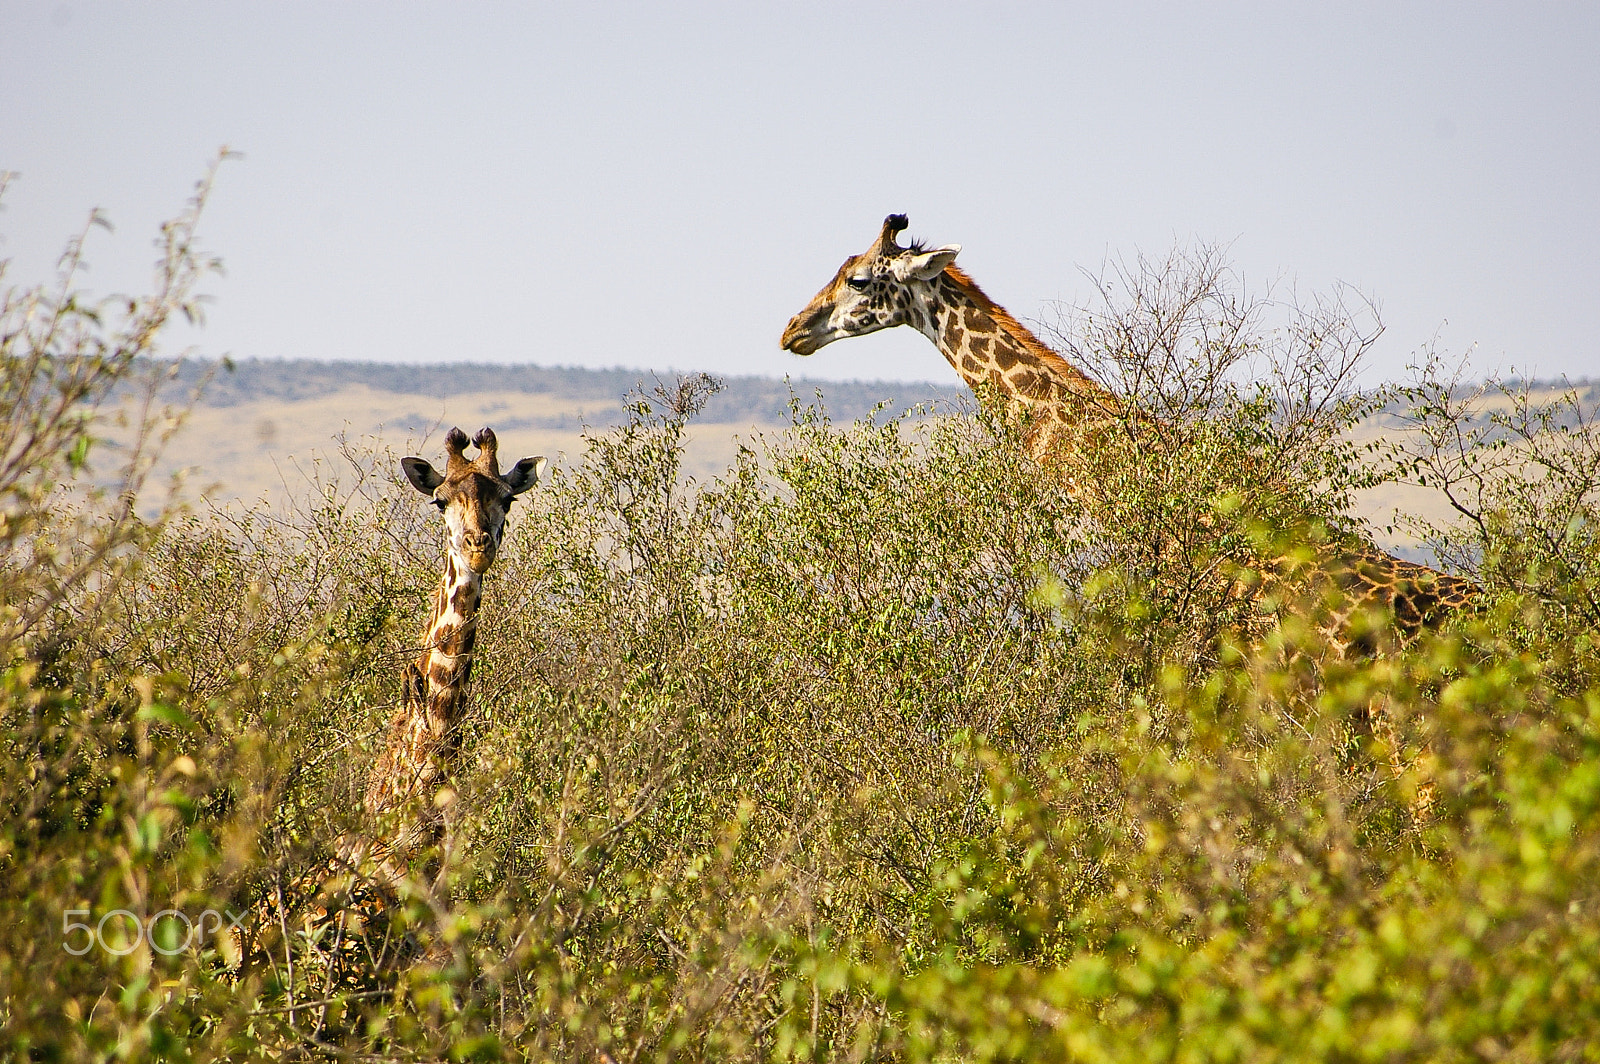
[[877, 747]]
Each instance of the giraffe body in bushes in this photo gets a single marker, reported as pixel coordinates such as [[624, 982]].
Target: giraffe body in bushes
[[1064, 411], [407, 795], [406, 786]]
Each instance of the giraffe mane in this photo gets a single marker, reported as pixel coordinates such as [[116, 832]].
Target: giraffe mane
[[1022, 334]]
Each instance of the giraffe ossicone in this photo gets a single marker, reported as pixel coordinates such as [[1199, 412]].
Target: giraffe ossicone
[[1063, 411]]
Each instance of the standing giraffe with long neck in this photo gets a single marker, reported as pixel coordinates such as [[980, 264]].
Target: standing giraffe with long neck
[[1062, 408], [424, 736]]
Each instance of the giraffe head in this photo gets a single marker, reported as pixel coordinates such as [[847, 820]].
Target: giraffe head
[[884, 286], [473, 496]]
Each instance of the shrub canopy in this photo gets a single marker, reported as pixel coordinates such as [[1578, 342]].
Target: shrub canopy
[[877, 747]]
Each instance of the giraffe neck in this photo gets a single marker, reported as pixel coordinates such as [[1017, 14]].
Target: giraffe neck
[[424, 738], [997, 355], [448, 641]]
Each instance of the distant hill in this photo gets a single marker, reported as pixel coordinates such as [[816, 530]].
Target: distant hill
[[264, 429], [752, 400], [744, 399]]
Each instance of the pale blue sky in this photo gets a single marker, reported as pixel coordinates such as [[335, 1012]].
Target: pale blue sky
[[662, 186]]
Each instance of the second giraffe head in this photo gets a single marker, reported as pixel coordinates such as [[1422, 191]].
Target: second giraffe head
[[884, 286], [473, 496]]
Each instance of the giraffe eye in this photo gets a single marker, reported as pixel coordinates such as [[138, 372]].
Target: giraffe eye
[[858, 283]]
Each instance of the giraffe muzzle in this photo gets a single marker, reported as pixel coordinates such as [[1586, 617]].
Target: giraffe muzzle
[[480, 552], [803, 335]]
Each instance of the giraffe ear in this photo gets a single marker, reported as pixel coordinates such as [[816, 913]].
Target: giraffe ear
[[926, 265], [525, 474], [422, 475]]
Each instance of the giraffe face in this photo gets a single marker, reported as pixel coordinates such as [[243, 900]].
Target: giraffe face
[[885, 286], [473, 496]]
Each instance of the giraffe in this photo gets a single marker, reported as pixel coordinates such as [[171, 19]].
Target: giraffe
[[407, 782], [1062, 410], [407, 794]]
